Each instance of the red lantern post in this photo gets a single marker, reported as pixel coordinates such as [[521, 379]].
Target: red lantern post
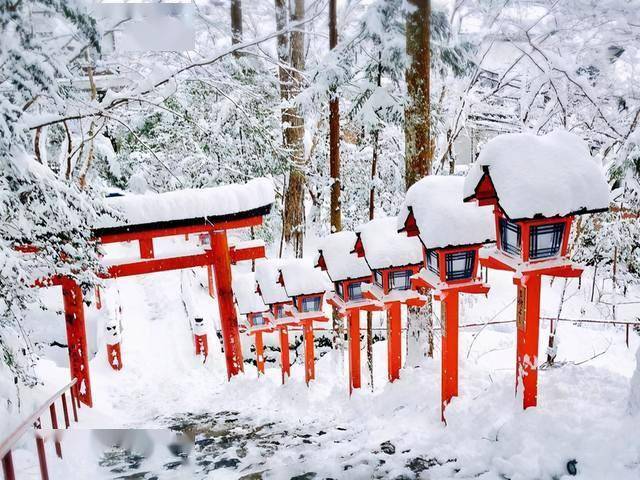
[[451, 234], [536, 185]]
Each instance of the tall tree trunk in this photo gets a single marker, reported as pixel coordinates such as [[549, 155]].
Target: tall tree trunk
[[372, 207], [417, 130], [418, 152], [236, 23], [293, 128], [334, 133]]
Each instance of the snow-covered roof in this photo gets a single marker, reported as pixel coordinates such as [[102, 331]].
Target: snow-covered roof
[[441, 215], [267, 273], [384, 247], [340, 262], [244, 290], [302, 278], [544, 176], [191, 203]]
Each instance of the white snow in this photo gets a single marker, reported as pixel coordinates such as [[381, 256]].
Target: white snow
[[634, 399], [244, 290], [188, 203], [547, 175], [384, 247], [341, 263], [267, 273], [302, 278], [441, 215]]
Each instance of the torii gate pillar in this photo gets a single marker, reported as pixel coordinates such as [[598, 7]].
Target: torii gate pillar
[[77, 338], [228, 318]]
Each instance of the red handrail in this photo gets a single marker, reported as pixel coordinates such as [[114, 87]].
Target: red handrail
[[34, 421]]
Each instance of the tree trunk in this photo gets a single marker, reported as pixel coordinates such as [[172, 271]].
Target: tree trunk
[[334, 133], [417, 130], [292, 124], [236, 23], [418, 152]]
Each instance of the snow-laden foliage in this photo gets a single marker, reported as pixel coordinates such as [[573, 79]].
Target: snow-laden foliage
[[40, 208]]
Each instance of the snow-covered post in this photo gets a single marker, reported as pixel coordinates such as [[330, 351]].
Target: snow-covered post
[[77, 338], [537, 185], [349, 273], [451, 234], [200, 338], [285, 361], [113, 338]]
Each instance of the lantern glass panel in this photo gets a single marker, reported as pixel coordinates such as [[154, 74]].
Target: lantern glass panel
[[545, 240], [433, 262], [355, 291], [378, 278], [340, 290], [257, 319], [279, 311], [510, 234], [460, 264], [399, 280], [311, 304]]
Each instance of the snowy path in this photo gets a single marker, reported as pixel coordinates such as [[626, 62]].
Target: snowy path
[[257, 428]]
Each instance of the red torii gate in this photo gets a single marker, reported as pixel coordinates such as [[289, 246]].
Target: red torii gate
[[220, 256]]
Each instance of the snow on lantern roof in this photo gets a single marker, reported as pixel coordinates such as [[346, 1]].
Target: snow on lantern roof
[[244, 290], [336, 250], [540, 176], [385, 247], [267, 273], [192, 203], [300, 277], [442, 218]]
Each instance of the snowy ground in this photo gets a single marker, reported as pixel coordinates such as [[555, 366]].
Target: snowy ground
[[256, 428]]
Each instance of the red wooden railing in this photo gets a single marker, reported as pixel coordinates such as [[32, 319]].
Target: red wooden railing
[[35, 422]]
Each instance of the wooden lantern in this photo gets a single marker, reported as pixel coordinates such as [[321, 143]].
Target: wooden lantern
[[393, 259], [451, 234], [536, 185], [348, 273]]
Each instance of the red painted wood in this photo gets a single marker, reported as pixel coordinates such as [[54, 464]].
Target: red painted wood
[[228, 319], [42, 458], [528, 328], [77, 338], [247, 253], [259, 344], [285, 364], [146, 247], [309, 353], [202, 345], [7, 467], [525, 240], [114, 356], [394, 340], [410, 225], [210, 284], [353, 320], [449, 319], [65, 410], [98, 299], [485, 192]]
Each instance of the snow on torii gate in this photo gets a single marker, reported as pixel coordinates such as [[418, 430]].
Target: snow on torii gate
[[146, 217]]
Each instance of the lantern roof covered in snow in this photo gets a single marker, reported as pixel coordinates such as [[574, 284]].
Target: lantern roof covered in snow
[[186, 207], [299, 277], [247, 299], [384, 247], [267, 274], [434, 205], [532, 176], [335, 255]]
